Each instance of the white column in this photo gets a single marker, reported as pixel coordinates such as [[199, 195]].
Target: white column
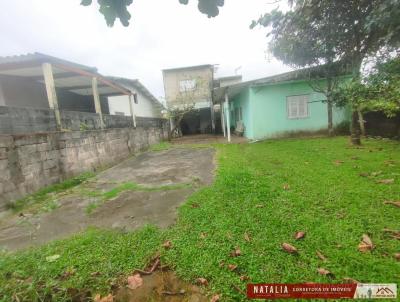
[[228, 117], [96, 98], [222, 110], [132, 110], [51, 92]]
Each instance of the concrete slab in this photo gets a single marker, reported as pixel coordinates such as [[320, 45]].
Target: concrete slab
[[128, 210]]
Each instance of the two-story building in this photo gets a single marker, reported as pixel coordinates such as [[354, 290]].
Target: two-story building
[[192, 87]]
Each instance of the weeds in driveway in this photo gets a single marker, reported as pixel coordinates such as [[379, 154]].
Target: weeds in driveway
[[129, 186], [161, 146], [280, 211], [44, 199]]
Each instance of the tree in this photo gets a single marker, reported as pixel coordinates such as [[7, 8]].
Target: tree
[[322, 32], [379, 90], [118, 9]]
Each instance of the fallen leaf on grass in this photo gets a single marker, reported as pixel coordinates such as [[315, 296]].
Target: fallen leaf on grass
[[376, 173], [95, 274], [203, 235], [350, 280], [324, 272], [385, 181], [215, 298], [167, 244], [247, 237], [244, 278], [135, 281], [365, 244], [232, 267], [289, 248], [364, 174], [237, 252], [393, 233], [389, 163], [395, 203], [108, 298], [202, 281], [321, 256], [68, 273], [397, 256], [299, 235], [52, 258], [338, 162], [195, 205]]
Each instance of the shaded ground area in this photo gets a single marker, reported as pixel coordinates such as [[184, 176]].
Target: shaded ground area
[[208, 139], [144, 189]]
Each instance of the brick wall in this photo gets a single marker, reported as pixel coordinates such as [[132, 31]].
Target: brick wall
[[30, 162]]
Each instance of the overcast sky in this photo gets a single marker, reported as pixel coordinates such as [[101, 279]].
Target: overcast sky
[[162, 34]]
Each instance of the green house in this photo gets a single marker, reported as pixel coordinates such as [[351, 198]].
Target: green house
[[277, 106]]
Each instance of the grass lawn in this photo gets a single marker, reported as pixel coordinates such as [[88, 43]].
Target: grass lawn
[[262, 195]]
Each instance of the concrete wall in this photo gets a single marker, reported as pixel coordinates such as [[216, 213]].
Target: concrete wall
[[31, 162], [265, 111], [30, 120], [201, 95]]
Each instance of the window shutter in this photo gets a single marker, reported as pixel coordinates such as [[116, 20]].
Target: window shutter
[[297, 106], [292, 108]]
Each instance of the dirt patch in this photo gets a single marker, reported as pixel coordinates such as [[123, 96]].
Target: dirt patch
[[163, 287], [126, 209]]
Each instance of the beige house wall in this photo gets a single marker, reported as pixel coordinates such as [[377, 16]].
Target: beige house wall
[[201, 95]]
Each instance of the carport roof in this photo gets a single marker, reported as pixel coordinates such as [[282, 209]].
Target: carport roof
[[68, 75]]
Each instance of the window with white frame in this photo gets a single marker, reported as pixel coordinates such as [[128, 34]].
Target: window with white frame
[[187, 85], [297, 106]]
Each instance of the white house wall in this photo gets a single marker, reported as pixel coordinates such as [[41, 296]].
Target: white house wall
[[144, 108]]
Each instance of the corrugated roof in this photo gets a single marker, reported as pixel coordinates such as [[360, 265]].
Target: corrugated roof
[[40, 57]]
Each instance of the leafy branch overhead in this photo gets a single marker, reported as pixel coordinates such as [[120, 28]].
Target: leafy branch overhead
[[118, 9]]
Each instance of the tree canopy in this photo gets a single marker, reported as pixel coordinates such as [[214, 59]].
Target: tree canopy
[[118, 9], [379, 90]]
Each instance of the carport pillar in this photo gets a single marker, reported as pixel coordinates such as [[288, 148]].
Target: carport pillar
[[132, 110], [212, 117], [96, 98], [51, 92], [228, 117], [222, 110]]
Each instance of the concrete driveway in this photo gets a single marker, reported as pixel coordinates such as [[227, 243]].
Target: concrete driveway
[[164, 180]]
